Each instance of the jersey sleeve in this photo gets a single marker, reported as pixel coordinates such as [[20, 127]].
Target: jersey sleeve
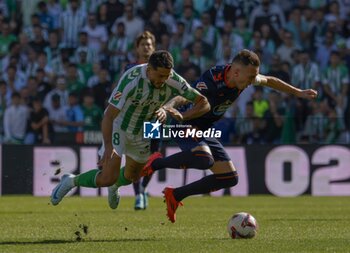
[[204, 84], [182, 87], [125, 88]]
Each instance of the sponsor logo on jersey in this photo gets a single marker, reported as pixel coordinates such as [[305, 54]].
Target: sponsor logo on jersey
[[201, 86], [117, 96], [146, 103], [218, 77], [184, 86], [133, 74], [221, 108]]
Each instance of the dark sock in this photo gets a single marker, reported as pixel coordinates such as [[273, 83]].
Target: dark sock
[[185, 159], [207, 184], [155, 145], [136, 186], [145, 181]]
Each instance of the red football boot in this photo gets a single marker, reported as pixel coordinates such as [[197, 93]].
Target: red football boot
[[171, 203], [147, 170]]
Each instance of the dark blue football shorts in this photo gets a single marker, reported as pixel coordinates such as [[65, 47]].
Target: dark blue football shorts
[[216, 148]]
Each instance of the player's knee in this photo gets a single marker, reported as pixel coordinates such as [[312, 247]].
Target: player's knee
[[107, 180], [204, 160], [234, 180], [132, 176], [227, 180]]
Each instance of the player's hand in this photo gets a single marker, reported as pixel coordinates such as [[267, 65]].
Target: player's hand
[[175, 114], [161, 115], [308, 94]]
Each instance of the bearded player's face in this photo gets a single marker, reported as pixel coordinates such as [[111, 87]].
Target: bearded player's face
[[158, 76]]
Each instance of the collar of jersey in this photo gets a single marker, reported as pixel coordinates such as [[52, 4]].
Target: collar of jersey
[[226, 69], [143, 71]]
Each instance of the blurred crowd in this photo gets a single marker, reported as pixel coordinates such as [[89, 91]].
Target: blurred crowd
[[59, 60]]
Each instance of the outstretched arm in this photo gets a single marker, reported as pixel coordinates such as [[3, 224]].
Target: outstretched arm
[[200, 107], [278, 84]]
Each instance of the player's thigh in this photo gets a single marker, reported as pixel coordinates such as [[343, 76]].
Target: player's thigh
[[132, 168], [217, 150], [192, 144], [111, 168], [137, 148], [222, 161], [137, 151], [202, 147], [110, 171], [221, 167], [119, 141]]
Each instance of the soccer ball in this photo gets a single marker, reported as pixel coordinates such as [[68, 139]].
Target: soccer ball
[[242, 225]]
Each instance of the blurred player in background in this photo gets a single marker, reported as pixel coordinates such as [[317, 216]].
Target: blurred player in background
[[145, 45], [139, 96], [221, 85]]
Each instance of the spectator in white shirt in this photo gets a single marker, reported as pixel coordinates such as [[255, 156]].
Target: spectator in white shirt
[[14, 78], [134, 24], [15, 120], [97, 34], [71, 22], [57, 114], [61, 90], [269, 13], [306, 74]]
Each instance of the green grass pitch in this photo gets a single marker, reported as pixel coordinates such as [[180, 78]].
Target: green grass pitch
[[302, 224]]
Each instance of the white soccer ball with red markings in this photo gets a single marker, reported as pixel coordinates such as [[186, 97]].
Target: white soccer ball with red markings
[[242, 225]]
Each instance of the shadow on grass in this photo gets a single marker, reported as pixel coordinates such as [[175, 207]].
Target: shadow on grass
[[74, 241]]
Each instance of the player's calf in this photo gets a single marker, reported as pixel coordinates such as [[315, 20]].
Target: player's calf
[[105, 180], [186, 159], [226, 180], [207, 184]]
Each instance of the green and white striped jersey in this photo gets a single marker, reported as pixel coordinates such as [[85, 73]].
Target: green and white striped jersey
[[306, 76], [137, 99], [336, 77]]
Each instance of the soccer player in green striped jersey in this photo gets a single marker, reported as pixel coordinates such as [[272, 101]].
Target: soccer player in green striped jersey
[[138, 97], [145, 45]]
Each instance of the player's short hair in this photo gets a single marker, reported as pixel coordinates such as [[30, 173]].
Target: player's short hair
[[161, 59], [144, 36], [247, 57]]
